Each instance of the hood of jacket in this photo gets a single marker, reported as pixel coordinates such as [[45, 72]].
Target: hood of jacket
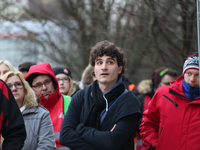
[[45, 69], [177, 85]]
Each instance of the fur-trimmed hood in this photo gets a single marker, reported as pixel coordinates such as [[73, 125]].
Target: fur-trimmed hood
[[145, 86]]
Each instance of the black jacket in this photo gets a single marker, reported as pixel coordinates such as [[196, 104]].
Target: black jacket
[[11, 121], [125, 113]]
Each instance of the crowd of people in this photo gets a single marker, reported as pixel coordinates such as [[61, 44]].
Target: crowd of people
[[43, 108]]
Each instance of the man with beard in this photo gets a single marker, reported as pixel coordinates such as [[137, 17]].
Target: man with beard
[[45, 85]]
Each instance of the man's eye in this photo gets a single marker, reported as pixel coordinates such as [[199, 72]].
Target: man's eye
[[46, 82], [38, 85]]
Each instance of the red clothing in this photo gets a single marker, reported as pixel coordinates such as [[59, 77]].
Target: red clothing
[[54, 103], [171, 122], [139, 145], [12, 126]]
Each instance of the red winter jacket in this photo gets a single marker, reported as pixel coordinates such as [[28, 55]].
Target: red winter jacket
[[172, 122], [54, 103]]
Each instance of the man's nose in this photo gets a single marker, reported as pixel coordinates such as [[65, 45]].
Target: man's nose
[[192, 78], [104, 65], [44, 87]]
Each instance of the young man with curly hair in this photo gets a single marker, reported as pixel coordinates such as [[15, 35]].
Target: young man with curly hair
[[103, 115]]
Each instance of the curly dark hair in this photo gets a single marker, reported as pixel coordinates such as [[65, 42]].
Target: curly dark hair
[[109, 49]]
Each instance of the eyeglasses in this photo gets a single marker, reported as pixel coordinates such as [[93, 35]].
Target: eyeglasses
[[17, 85], [39, 85], [65, 80]]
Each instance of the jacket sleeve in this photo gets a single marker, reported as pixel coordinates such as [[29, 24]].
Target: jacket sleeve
[[13, 128], [46, 139], [68, 135], [108, 140], [150, 123]]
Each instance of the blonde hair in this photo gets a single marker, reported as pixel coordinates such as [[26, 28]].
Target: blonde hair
[[87, 77], [8, 64], [71, 89], [30, 99]]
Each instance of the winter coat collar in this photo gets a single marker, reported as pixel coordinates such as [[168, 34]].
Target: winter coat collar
[[176, 87], [188, 90], [30, 111]]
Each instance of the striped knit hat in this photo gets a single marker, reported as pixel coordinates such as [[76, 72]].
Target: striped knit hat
[[191, 62]]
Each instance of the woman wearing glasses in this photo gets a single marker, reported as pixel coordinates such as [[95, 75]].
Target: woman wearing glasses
[[39, 129], [66, 85]]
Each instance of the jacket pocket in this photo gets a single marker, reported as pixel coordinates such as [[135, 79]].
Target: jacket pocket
[[175, 104]]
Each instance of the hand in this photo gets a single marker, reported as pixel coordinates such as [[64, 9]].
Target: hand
[[113, 127]]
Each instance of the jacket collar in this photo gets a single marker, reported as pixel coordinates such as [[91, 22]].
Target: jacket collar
[[51, 100], [32, 110], [190, 92], [176, 87]]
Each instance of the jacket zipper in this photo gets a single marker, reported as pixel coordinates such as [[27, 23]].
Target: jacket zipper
[[176, 105], [161, 130]]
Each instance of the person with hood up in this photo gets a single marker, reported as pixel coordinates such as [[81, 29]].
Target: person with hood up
[[172, 120], [45, 85]]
